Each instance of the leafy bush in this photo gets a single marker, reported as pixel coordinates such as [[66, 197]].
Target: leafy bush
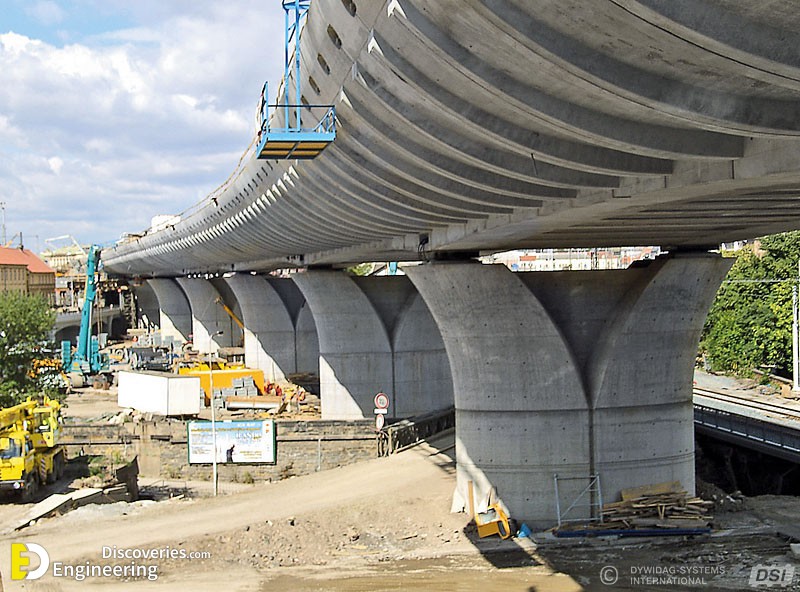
[[25, 324], [750, 322]]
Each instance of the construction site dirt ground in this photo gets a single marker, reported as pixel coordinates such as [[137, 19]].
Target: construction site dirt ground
[[383, 524]]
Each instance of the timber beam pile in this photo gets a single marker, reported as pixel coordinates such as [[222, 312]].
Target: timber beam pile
[[665, 505]]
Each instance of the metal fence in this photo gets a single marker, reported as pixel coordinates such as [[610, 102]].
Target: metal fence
[[407, 432], [770, 438]]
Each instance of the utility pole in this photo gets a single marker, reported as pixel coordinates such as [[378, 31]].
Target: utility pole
[[796, 336], [795, 361]]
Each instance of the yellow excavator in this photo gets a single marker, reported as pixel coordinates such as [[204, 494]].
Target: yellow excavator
[[30, 452]]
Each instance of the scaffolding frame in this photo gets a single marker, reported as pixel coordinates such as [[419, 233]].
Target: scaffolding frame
[[594, 503]]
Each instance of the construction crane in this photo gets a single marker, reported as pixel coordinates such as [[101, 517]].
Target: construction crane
[[87, 360], [231, 314], [30, 449], [13, 238], [52, 242]]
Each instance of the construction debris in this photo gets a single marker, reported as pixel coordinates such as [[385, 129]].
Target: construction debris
[[664, 508], [124, 488], [671, 509]]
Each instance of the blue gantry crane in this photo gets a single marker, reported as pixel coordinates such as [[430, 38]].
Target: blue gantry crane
[[294, 139]]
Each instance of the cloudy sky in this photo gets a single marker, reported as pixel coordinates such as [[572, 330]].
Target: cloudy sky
[[113, 111]]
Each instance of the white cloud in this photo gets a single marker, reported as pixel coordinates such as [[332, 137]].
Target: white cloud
[[55, 164], [97, 137], [46, 12]]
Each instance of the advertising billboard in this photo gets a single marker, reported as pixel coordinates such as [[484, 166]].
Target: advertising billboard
[[238, 441]]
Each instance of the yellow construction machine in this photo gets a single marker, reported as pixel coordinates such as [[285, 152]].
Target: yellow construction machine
[[30, 453]]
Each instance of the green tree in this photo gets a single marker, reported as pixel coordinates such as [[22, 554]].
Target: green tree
[[750, 322], [25, 322], [361, 269]]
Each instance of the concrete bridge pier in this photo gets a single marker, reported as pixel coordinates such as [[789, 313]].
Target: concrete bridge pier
[[208, 318], [148, 313], [270, 336], [375, 335], [175, 316], [571, 373]]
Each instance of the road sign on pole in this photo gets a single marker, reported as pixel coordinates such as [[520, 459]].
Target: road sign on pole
[[382, 401], [381, 409]]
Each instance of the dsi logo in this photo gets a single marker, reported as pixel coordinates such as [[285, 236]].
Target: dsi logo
[[21, 557], [780, 576]]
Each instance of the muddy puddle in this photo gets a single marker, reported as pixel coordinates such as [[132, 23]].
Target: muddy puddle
[[447, 574]]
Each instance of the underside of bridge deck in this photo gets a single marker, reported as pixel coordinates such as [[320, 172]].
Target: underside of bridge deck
[[488, 125]]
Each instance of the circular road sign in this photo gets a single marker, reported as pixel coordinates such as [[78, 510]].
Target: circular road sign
[[382, 401], [379, 422]]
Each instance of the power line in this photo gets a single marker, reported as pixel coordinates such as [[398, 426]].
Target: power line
[[794, 281]]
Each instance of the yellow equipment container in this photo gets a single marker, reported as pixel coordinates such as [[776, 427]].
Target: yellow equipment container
[[493, 521], [223, 375]]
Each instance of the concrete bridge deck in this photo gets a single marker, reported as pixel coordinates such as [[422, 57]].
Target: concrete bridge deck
[[482, 125], [474, 125]]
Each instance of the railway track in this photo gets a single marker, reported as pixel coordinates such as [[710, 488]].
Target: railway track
[[758, 405]]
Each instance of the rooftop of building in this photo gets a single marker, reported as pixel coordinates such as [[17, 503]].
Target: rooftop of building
[[22, 256]]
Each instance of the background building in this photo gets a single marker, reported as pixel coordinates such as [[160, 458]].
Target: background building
[[23, 272]]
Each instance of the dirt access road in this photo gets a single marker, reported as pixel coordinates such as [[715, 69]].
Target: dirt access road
[[376, 512], [381, 525]]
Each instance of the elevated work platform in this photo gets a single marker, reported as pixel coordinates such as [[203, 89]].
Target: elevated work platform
[[293, 140], [297, 143]]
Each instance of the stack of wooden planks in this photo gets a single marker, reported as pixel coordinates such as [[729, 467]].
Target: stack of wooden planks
[[664, 505]]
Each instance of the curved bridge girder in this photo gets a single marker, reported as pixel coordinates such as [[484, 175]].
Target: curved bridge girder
[[484, 125]]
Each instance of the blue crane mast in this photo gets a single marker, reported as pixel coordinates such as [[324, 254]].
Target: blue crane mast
[[86, 360]]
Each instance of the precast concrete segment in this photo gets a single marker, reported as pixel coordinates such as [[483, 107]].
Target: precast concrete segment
[[355, 355], [709, 99], [461, 199], [323, 212], [574, 373], [371, 178], [506, 189], [269, 337], [208, 318], [175, 315], [521, 413], [509, 192], [771, 44], [448, 104], [394, 114], [392, 207], [557, 105], [461, 125]]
